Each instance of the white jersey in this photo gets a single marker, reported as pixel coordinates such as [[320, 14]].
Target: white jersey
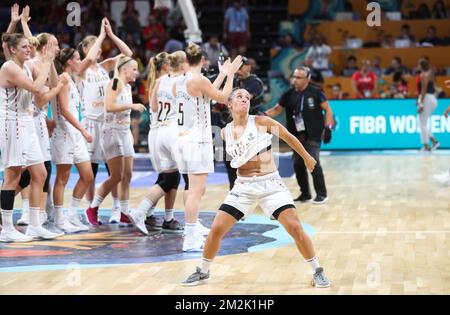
[[250, 143], [194, 114], [16, 103], [167, 106], [121, 120], [92, 90], [74, 107]]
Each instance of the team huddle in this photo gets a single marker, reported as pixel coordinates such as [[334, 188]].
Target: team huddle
[[72, 81]]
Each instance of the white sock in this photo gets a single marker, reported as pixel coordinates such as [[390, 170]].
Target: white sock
[[314, 263], [97, 201], [145, 206], [206, 263], [49, 204], [116, 203], [190, 229], [34, 217], [25, 205], [73, 210], [59, 215], [7, 220], [124, 207], [168, 215]]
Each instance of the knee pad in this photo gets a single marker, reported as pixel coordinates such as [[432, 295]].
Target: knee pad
[[25, 179], [186, 181], [48, 167], [170, 181]]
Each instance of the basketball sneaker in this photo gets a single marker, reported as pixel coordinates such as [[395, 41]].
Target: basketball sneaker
[[196, 278], [138, 219], [14, 236], [444, 178], [319, 279], [153, 223], [172, 226], [67, 227], [203, 230], [38, 232], [75, 221], [193, 243], [115, 215], [91, 215], [124, 220]]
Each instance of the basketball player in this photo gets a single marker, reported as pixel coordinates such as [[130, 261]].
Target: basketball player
[[162, 140], [69, 139], [193, 94], [53, 88], [248, 140], [444, 178], [117, 140], [93, 83], [19, 143], [427, 104]]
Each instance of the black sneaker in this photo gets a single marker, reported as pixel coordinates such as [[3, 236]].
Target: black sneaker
[[172, 226], [320, 200], [302, 198], [153, 223]]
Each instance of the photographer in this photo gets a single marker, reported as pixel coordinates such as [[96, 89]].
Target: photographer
[[304, 105]]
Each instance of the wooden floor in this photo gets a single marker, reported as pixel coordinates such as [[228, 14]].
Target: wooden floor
[[384, 230]]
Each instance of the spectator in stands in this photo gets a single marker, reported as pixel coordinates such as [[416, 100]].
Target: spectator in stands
[[397, 66], [214, 49], [316, 75], [176, 41], [423, 12], [376, 66], [439, 10], [388, 41], [97, 10], [406, 34], [350, 68], [398, 88], [348, 7], [154, 36], [130, 22], [320, 53], [236, 28], [252, 83], [326, 9], [364, 82], [431, 39], [336, 92]]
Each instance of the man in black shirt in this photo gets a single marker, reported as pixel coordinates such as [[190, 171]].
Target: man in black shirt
[[252, 83], [304, 105]]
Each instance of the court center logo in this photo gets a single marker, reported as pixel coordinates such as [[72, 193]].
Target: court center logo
[[74, 14]]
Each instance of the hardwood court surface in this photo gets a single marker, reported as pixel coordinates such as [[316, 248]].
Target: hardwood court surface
[[384, 230]]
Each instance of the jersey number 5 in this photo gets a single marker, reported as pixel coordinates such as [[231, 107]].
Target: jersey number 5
[[180, 114]]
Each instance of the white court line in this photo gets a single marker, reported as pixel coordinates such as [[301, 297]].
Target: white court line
[[385, 232]]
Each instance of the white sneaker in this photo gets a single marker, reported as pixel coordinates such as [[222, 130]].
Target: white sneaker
[[75, 221], [25, 218], [138, 219], [14, 236], [115, 215], [67, 227], [203, 230], [38, 232], [444, 178], [193, 243]]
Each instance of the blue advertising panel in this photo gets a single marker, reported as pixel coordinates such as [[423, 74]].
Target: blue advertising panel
[[384, 124]]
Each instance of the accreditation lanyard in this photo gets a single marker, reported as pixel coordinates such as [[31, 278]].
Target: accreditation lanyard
[[298, 117]]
